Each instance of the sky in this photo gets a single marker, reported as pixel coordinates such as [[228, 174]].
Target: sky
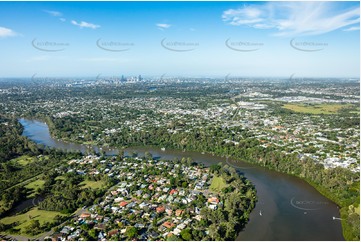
[[200, 39]]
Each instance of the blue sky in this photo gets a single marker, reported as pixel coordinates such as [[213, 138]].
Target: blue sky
[[261, 39]]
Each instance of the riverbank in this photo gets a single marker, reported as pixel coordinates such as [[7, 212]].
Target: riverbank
[[276, 191], [343, 208]]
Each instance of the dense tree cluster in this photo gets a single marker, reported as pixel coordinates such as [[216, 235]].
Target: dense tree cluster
[[9, 198], [238, 200], [12, 143], [12, 173], [66, 195]]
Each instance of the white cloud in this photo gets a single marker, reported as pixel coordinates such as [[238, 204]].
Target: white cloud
[[294, 18], [83, 24], [53, 13], [354, 28], [5, 32], [163, 26]]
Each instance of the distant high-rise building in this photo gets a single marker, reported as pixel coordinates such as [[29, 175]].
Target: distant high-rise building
[[123, 79], [139, 78]]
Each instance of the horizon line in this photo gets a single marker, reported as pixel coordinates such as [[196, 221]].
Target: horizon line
[[164, 76]]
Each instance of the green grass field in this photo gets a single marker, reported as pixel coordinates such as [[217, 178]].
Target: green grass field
[[218, 183], [316, 108], [60, 178], [92, 184], [34, 186], [23, 160], [24, 219]]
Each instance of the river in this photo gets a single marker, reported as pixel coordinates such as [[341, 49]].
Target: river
[[288, 208]]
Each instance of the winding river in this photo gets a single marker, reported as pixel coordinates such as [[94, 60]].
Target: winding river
[[288, 208]]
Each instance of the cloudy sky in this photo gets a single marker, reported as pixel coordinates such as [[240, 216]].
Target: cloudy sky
[[276, 39]]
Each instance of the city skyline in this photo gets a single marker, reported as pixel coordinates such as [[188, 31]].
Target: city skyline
[[269, 39]]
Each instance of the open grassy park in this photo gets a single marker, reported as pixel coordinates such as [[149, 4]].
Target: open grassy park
[[23, 220], [35, 185], [316, 108], [92, 184], [24, 160], [218, 183]]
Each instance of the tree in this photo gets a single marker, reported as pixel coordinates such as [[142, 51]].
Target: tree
[[186, 234], [131, 232], [215, 168], [33, 228], [35, 224], [213, 232], [155, 221], [148, 155], [172, 181], [173, 238], [2, 227], [120, 155], [230, 231], [93, 234]]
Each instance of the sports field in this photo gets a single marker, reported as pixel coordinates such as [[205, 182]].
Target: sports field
[[316, 108]]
